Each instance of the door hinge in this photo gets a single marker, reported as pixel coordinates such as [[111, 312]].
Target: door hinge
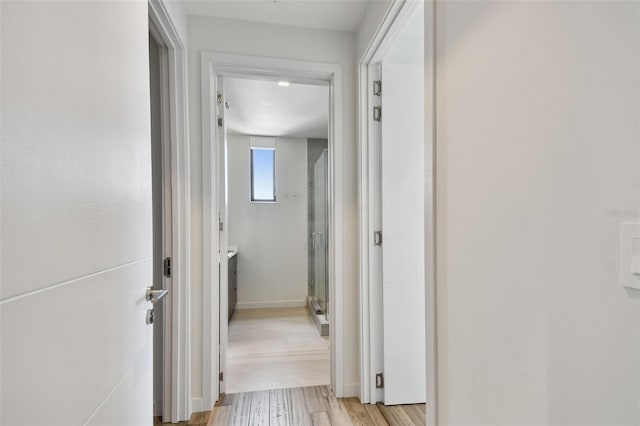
[[222, 376], [377, 87], [220, 226], [219, 98], [377, 113], [219, 122], [377, 238], [379, 381], [167, 266]]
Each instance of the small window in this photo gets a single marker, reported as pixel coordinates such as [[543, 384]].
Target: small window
[[263, 175]]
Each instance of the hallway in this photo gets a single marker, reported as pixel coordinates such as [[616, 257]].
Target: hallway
[[274, 349]]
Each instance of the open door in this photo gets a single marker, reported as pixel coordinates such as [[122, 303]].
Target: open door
[[76, 255], [398, 155]]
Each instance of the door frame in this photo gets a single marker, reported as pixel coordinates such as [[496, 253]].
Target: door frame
[[370, 299], [214, 64], [177, 321]]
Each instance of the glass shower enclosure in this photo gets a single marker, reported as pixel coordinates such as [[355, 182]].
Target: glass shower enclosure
[[320, 236]]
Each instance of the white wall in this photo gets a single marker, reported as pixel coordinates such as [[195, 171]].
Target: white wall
[[76, 213], [272, 237], [176, 9], [371, 21], [224, 35], [537, 139]]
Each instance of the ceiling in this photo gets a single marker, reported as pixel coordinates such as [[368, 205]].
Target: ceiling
[[263, 108], [337, 15]]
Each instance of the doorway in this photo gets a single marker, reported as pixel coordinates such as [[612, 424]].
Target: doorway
[[396, 217], [215, 68], [161, 208], [170, 289], [276, 158]]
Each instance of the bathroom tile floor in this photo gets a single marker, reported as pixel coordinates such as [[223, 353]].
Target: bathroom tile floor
[[275, 349]]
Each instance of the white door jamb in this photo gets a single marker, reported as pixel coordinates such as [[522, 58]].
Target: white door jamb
[[177, 398]]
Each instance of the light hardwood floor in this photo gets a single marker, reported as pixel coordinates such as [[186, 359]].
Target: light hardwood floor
[[308, 406], [274, 349], [277, 371]]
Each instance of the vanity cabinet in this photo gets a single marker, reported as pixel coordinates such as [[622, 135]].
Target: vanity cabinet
[[233, 284]]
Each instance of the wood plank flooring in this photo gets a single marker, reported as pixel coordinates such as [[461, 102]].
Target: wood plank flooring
[[308, 406]]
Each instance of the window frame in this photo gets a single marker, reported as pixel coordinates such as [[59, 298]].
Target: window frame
[[252, 198]]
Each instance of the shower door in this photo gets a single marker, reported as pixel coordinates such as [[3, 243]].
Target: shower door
[[320, 231]]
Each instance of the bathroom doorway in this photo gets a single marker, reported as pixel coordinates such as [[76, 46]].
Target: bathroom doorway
[[215, 68], [276, 223]]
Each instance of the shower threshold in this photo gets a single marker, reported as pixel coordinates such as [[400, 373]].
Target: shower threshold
[[319, 318]]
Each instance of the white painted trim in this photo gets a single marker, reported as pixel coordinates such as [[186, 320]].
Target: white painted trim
[[351, 390], [363, 209], [224, 236], [368, 330], [210, 241], [214, 64], [275, 304], [378, 45], [179, 332], [430, 225], [196, 405]]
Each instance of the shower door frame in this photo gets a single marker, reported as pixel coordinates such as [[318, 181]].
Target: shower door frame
[[214, 320], [324, 157]]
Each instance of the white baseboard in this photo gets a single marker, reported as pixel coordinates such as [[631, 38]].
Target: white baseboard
[[196, 405], [351, 389], [274, 304]]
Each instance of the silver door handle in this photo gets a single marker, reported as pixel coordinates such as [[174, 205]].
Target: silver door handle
[[154, 296]]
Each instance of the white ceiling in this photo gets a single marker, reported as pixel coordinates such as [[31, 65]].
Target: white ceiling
[[262, 108], [337, 15]]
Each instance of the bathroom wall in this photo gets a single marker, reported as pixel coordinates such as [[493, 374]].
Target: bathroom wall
[[271, 237]]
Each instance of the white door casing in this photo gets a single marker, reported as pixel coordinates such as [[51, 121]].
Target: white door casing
[[177, 306], [161, 200], [214, 65], [223, 218], [376, 313]]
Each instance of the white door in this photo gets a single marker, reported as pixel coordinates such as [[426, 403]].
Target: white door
[[402, 206], [403, 235], [76, 215], [223, 217]]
